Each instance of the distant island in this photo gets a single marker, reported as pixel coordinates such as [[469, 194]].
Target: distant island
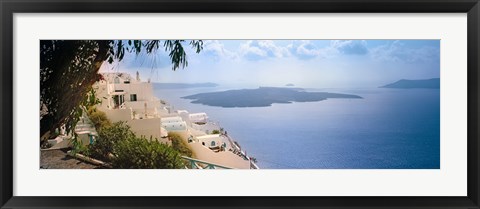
[[262, 97], [183, 85], [289, 84], [433, 83]]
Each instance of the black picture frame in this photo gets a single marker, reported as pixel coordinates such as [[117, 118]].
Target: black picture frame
[[10, 7]]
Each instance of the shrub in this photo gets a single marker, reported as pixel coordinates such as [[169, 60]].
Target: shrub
[[107, 138], [179, 144], [98, 118], [78, 146], [216, 132], [118, 145], [142, 153]]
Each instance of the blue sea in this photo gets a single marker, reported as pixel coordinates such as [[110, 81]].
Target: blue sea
[[387, 129]]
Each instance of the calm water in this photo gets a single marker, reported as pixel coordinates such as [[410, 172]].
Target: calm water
[[388, 128]]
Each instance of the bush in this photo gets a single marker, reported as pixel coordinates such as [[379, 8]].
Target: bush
[[118, 145], [107, 138], [179, 144], [142, 153], [98, 118], [216, 132], [79, 147]]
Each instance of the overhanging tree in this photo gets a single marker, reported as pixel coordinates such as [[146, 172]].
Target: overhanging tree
[[69, 68]]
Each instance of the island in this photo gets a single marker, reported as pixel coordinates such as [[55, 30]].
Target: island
[[433, 83], [289, 84], [262, 97], [183, 85]]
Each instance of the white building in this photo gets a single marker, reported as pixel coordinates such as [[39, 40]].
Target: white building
[[212, 141], [181, 112], [175, 126], [173, 119], [121, 91], [175, 123], [198, 118], [124, 98]]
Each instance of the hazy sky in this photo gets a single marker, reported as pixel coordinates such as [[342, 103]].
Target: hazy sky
[[305, 63]]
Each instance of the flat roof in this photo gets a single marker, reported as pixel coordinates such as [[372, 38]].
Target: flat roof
[[118, 93]]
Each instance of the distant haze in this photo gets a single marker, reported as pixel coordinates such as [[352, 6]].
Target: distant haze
[[433, 83], [183, 85], [305, 63]]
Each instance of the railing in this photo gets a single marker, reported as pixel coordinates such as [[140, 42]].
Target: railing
[[237, 150], [232, 143], [253, 165], [200, 164]]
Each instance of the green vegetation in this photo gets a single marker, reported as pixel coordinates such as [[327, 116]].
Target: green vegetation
[[79, 147], [216, 132], [142, 153], [179, 144], [103, 147], [98, 118], [119, 146]]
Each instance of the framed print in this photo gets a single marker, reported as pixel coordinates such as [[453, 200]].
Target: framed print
[[266, 104]]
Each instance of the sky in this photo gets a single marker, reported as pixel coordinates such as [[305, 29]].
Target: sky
[[304, 63]]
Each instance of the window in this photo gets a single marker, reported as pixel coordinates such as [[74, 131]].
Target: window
[[116, 80], [133, 97]]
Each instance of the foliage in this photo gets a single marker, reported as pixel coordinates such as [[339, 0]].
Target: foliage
[[118, 145], [179, 144], [216, 132], [68, 69], [91, 99], [107, 138], [98, 118], [142, 153], [81, 148], [78, 146]]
